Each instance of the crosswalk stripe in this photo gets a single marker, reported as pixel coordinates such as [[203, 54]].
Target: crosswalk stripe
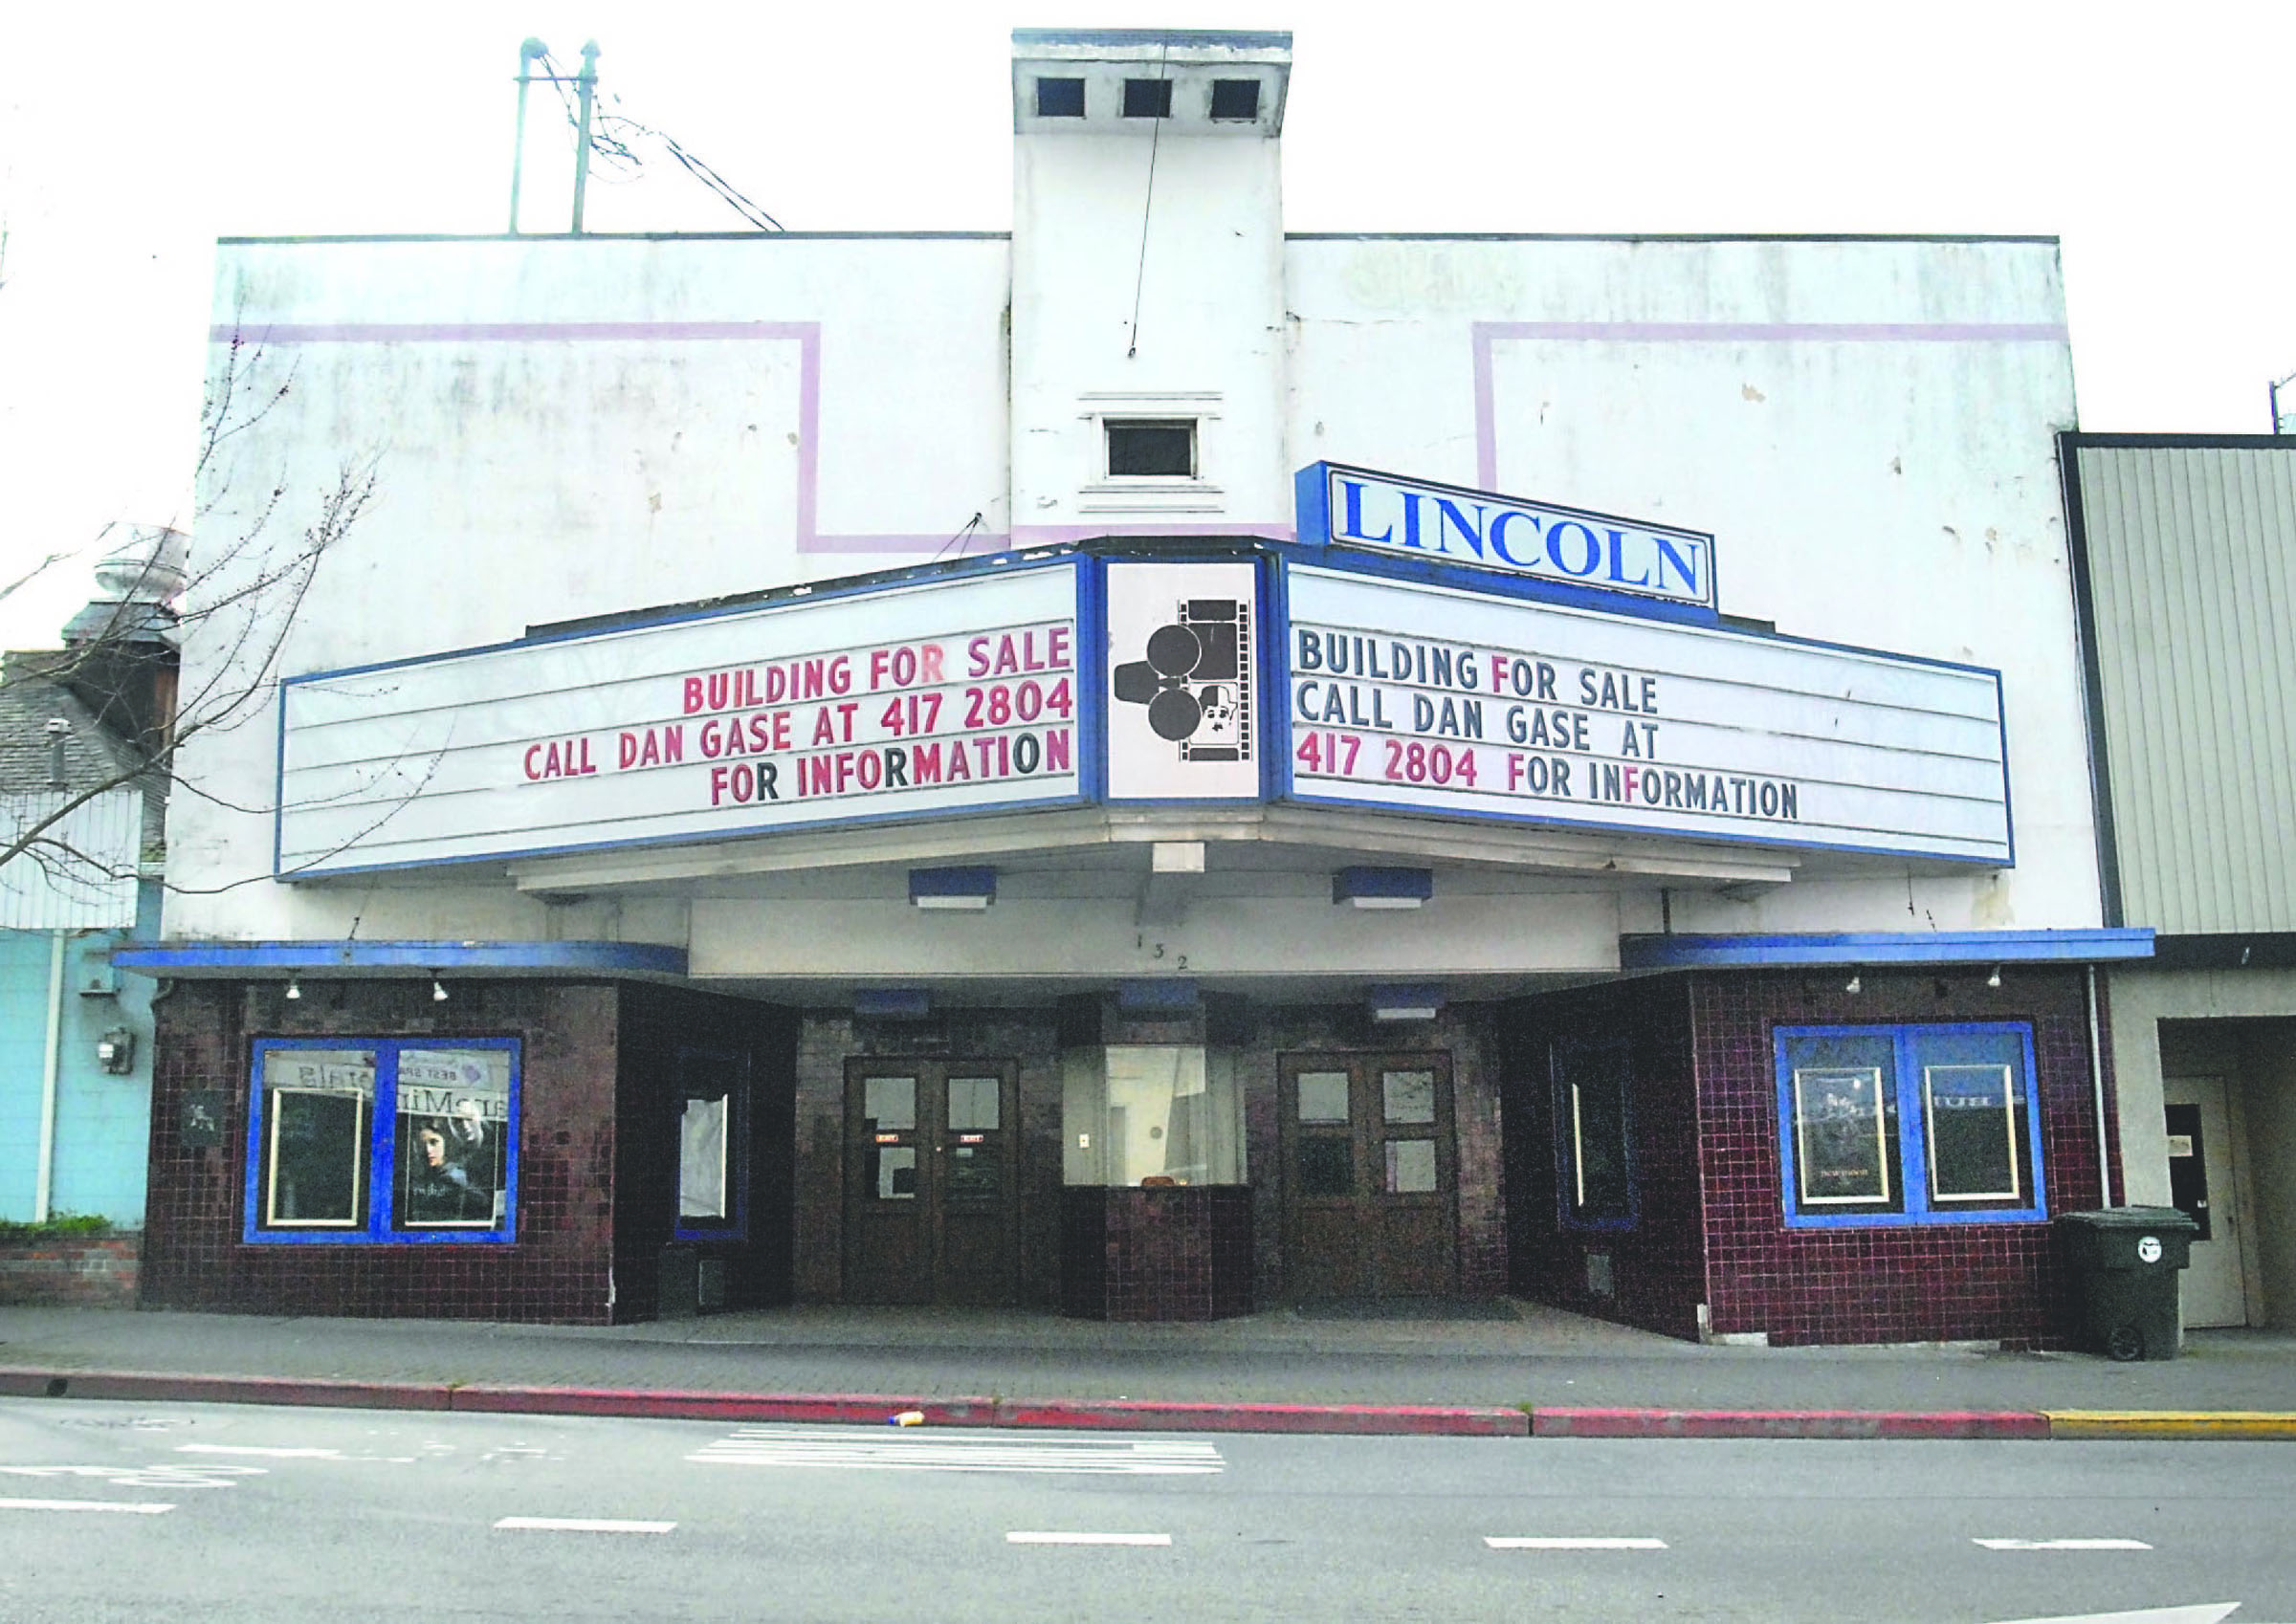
[[1498, 1542], [141, 1508], [869, 1450], [2064, 1545]]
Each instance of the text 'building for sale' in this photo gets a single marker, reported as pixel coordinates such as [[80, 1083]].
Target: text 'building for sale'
[[1150, 764]]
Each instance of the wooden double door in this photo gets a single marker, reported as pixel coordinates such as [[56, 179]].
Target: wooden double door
[[1370, 1176], [931, 1208]]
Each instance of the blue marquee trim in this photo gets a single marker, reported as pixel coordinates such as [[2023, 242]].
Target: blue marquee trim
[[274, 960], [1886, 946]]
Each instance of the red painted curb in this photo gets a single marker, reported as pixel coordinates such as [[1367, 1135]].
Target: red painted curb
[[1408, 1420], [160, 1388], [1789, 1423]]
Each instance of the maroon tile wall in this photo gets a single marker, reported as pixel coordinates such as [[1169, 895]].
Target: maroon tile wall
[[1939, 1283], [1658, 1268], [557, 1271], [657, 1023], [1176, 1254]]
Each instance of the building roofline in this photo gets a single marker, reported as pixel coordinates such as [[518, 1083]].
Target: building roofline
[[2080, 440], [388, 237], [1665, 237], [1132, 39]]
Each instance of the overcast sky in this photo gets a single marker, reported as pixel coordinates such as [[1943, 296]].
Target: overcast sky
[[2152, 141]]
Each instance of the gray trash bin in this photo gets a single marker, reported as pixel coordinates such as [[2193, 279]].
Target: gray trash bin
[[2124, 1263]]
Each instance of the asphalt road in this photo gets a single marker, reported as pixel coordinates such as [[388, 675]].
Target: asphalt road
[[183, 1512]]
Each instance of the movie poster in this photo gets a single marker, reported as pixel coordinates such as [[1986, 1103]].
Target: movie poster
[[452, 1152]]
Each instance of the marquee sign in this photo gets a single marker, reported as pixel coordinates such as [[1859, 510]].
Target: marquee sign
[[1422, 698], [951, 695], [1537, 541]]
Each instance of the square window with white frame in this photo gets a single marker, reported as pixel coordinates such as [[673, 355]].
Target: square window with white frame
[[1915, 1124], [378, 1140]]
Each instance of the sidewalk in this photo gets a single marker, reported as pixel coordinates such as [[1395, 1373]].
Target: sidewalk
[[1516, 1368]]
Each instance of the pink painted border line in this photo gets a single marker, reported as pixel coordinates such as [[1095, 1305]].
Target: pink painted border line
[[807, 335], [1487, 333]]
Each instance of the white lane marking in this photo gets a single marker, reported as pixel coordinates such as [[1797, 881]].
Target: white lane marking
[[871, 1449], [1087, 1539], [1569, 1543], [186, 1477], [258, 1449], [2064, 1545], [587, 1525], [128, 1506], [2206, 1612]]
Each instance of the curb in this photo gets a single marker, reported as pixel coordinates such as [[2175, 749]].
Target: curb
[[1413, 1420], [2262, 1425], [1789, 1423]]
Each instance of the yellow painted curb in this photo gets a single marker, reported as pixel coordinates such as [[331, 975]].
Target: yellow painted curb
[[2172, 1423]]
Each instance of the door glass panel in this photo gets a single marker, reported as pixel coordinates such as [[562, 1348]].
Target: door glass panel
[[1409, 1095], [976, 1171], [893, 1172], [2188, 1166], [889, 1102], [1410, 1167], [1327, 1166], [701, 1157], [1323, 1096], [973, 1102]]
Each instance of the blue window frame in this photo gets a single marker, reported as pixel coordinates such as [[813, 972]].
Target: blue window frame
[[1594, 1137], [1905, 1125], [713, 1142], [383, 1141]]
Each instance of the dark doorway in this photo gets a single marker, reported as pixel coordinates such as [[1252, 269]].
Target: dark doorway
[[930, 1182], [1370, 1176]]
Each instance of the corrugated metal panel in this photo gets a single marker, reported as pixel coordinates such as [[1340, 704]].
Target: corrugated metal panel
[[82, 875], [2191, 556]]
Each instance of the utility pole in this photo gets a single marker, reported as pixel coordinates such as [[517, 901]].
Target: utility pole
[[585, 84], [529, 54]]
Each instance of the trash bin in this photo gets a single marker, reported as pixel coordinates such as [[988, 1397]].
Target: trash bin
[[2125, 1261]]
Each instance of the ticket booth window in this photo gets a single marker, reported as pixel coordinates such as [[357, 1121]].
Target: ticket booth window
[[1151, 1114]]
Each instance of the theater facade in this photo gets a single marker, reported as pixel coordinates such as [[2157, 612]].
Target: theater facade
[[1152, 766]]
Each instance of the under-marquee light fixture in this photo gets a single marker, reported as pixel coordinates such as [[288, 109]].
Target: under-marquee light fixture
[[1994, 980], [295, 989], [893, 1003], [1382, 887], [1406, 1003], [972, 888], [439, 990], [1857, 983]]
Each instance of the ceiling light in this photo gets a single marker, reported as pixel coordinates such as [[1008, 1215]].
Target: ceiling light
[[972, 888], [1382, 887], [1406, 1003]]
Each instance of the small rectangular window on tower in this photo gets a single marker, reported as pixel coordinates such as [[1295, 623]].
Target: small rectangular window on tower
[[1236, 99], [1161, 448], [1060, 99], [1147, 98]]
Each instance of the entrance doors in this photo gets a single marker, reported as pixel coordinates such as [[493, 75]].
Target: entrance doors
[[1370, 1174], [2201, 1181], [930, 1182]]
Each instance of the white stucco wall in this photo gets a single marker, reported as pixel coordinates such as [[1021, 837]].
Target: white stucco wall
[[574, 427], [1865, 427]]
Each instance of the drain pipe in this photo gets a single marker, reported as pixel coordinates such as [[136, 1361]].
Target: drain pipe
[[2096, 1079], [48, 1073]]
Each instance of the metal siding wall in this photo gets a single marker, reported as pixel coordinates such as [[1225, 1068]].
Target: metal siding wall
[[2193, 563], [50, 890]]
